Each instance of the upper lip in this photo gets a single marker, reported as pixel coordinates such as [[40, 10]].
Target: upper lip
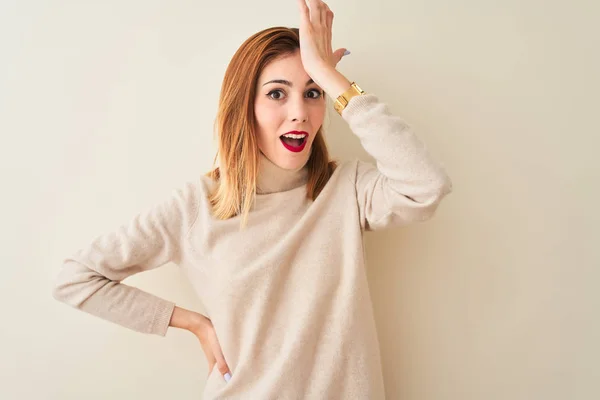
[[297, 133]]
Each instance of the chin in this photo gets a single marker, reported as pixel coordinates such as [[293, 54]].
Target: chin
[[287, 159], [293, 161]]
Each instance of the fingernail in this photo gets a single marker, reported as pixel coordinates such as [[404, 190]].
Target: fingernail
[[347, 52], [227, 377]]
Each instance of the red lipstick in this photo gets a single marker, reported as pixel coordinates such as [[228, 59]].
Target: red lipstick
[[297, 144]]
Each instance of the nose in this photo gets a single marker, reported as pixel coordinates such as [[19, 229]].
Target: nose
[[298, 110]]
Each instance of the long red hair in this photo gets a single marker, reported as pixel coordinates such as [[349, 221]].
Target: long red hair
[[238, 152]]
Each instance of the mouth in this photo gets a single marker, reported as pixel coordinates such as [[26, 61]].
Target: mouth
[[294, 141]]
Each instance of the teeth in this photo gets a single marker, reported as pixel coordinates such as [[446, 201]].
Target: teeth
[[295, 136]]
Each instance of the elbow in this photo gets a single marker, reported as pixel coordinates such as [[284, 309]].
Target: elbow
[[57, 292], [402, 209], [447, 186], [62, 291], [442, 187], [60, 286], [75, 283], [429, 206]]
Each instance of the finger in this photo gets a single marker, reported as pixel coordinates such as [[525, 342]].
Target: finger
[[304, 12], [315, 11], [218, 353], [329, 21], [222, 366], [324, 9]]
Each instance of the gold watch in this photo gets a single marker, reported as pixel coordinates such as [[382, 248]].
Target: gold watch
[[342, 101]]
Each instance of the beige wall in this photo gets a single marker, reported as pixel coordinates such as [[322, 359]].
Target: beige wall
[[105, 106]]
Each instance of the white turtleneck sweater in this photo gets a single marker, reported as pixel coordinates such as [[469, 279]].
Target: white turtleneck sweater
[[288, 296]]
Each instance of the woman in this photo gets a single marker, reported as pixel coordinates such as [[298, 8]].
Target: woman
[[273, 240]]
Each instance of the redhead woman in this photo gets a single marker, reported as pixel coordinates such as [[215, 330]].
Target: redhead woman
[[272, 237]]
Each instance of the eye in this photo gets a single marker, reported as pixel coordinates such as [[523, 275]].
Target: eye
[[318, 94], [274, 91]]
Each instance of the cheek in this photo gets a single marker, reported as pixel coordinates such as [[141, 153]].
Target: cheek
[[267, 117], [317, 115], [267, 125]]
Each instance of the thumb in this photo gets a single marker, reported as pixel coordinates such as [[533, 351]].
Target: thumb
[[221, 364], [338, 54]]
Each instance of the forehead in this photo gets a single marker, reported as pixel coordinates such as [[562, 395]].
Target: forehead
[[289, 67]]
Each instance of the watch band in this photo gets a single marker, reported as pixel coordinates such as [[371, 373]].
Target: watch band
[[342, 101]]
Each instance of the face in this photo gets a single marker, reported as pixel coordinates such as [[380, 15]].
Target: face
[[294, 103]]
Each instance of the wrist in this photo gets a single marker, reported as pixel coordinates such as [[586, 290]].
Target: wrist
[[188, 320], [333, 82], [197, 323]]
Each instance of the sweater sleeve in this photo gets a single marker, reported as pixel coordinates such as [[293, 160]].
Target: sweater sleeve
[[407, 184], [90, 279]]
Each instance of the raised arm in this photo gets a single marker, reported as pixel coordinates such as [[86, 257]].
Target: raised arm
[[407, 183]]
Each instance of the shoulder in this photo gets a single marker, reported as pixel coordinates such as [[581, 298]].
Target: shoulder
[[187, 196], [195, 191], [347, 169], [346, 166]]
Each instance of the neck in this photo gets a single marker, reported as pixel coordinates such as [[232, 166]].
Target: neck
[[272, 178]]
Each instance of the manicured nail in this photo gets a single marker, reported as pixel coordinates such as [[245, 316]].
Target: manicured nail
[[347, 52], [227, 377]]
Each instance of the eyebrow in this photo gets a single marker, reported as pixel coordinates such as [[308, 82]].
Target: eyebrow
[[285, 82]]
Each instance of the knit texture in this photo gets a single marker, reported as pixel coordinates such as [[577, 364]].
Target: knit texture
[[288, 296]]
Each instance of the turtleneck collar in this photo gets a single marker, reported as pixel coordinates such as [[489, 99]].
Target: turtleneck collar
[[272, 178]]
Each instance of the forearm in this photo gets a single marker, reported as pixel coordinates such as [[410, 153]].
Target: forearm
[[407, 183], [89, 291]]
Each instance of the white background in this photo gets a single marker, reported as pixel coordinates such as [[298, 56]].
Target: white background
[[107, 106]]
